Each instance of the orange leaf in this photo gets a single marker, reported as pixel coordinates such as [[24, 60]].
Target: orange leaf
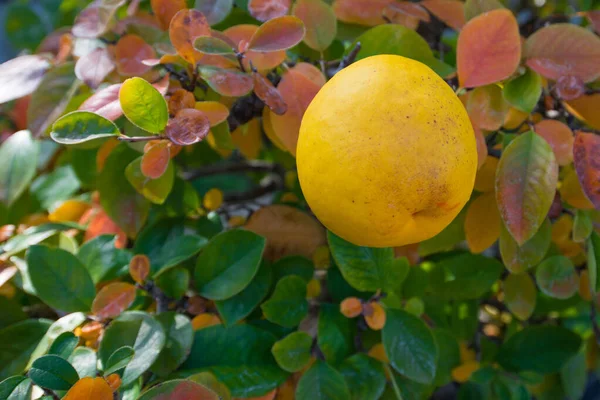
[[156, 160], [586, 109], [320, 23], [482, 150], [489, 49], [113, 299], [297, 92], [351, 307], [564, 49], [586, 155], [205, 320], [264, 10], [248, 139], [215, 112], [482, 223], [487, 107], [114, 381], [450, 12], [227, 82], [277, 34], [188, 127], [240, 34], [560, 138], [186, 26], [572, 192], [311, 72], [265, 91], [90, 388], [139, 268], [164, 10], [69, 210], [101, 224], [362, 12], [374, 315], [413, 10], [130, 51], [181, 99], [268, 128], [288, 230]]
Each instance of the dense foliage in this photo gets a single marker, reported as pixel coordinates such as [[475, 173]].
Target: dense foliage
[[154, 239]]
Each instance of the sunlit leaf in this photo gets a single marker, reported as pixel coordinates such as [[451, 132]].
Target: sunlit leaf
[[265, 91], [559, 136], [215, 11], [227, 82], [82, 126], [585, 155], [520, 295], [143, 105], [18, 155], [482, 150], [130, 51], [185, 26], [264, 10], [90, 388], [288, 231], [188, 127], [94, 67], [525, 185], [487, 107], [155, 190], [104, 102], [277, 34], [320, 22], [451, 12], [164, 10], [482, 223], [240, 35], [156, 160], [94, 20], [489, 49], [215, 111], [21, 76], [564, 49], [212, 45], [585, 108], [556, 277], [519, 259], [524, 91], [113, 299]]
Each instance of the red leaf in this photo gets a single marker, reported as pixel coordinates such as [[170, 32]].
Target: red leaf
[[489, 49], [410, 9], [164, 10], [277, 34], [227, 82], [482, 150], [594, 17], [99, 223], [320, 23], [564, 49], [450, 12], [156, 159], [559, 136], [113, 299], [264, 10], [265, 91], [569, 87], [185, 26], [262, 61], [94, 67], [21, 76], [188, 390], [139, 268], [487, 107], [130, 51], [93, 21], [188, 127], [362, 12], [586, 109], [586, 155]]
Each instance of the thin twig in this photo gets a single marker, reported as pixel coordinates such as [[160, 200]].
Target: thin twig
[[162, 300], [240, 58], [349, 59], [244, 166], [132, 139]]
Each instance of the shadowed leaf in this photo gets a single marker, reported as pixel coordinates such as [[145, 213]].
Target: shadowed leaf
[[227, 82], [520, 295], [519, 259], [556, 277], [94, 20], [215, 11], [264, 10], [240, 35], [451, 12], [482, 223], [164, 10], [94, 67], [487, 107], [559, 136], [212, 45], [265, 91], [156, 160], [586, 150], [130, 51], [320, 23]]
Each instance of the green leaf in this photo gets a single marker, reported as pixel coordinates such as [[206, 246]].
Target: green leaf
[[322, 382], [17, 343], [60, 279], [123, 204], [520, 295], [24, 26], [155, 190], [143, 105], [526, 181], [51, 98], [53, 372], [102, 259], [410, 346], [228, 263], [34, 235], [524, 91], [593, 258], [288, 305], [365, 268], [399, 40], [65, 324], [180, 336], [179, 389], [335, 334], [84, 361], [239, 356], [82, 126], [168, 243], [364, 377], [55, 187], [119, 359], [174, 282], [464, 275], [542, 349], [18, 155], [556, 277], [518, 259], [215, 11], [138, 330], [293, 265], [15, 388], [64, 345], [573, 376], [238, 307], [582, 226], [474, 8], [210, 381], [448, 356], [293, 352], [212, 45], [222, 136], [12, 312]]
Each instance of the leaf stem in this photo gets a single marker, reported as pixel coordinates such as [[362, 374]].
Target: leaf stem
[[240, 58], [132, 139], [394, 383], [349, 59]]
